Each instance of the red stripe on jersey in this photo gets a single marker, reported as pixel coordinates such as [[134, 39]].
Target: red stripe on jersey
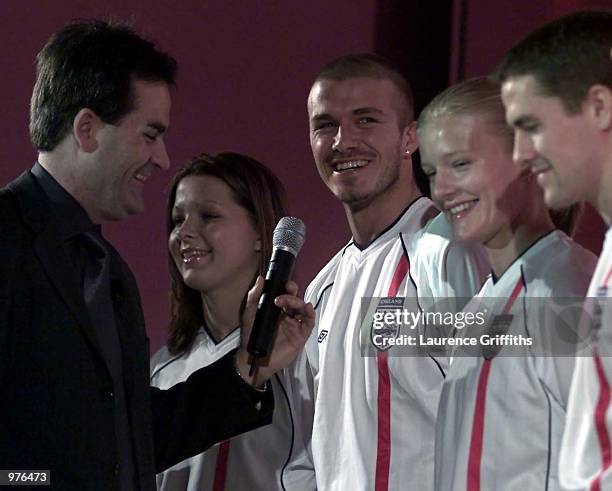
[[477, 438], [600, 412], [383, 450], [221, 466], [473, 472], [515, 293], [401, 270], [600, 421]]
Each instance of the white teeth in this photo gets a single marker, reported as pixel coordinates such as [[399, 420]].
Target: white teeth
[[190, 255], [352, 164], [539, 170], [140, 177], [462, 207]]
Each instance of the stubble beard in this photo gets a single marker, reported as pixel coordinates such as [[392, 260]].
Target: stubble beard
[[357, 201]]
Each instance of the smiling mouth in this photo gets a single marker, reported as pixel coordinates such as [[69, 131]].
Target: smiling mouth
[[540, 170], [457, 210], [539, 166], [349, 165], [140, 177], [192, 255]]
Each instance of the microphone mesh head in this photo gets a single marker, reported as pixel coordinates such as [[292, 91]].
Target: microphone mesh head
[[289, 234]]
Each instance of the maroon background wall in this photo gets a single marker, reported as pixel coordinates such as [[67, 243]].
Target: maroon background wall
[[245, 69], [244, 73]]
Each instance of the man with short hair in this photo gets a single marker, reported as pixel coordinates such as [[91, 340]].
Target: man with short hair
[[557, 89], [73, 348], [375, 405]]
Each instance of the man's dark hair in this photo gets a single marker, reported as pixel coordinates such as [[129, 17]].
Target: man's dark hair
[[372, 66], [566, 57], [91, 64]]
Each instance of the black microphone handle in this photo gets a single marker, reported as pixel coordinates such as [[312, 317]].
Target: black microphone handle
[[266, 318]]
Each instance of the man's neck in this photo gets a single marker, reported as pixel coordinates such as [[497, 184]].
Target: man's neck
[[60, 164], [46, 160], [603, 199], [368, 222], [56, 164]]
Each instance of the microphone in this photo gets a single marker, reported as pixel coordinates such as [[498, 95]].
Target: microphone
[[288, 239]]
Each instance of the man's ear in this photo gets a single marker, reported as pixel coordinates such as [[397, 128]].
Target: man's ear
[[599, 104], [85, 127], [409, 139]]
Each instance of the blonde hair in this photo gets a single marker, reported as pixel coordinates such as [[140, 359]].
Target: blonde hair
[[477, 95]]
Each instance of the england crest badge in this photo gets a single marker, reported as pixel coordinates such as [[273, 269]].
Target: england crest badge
[[385, 325]]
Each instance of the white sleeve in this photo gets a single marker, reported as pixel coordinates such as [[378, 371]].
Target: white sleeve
[[449, 275], [553, 328], [155, 364], [447, 271], [555, 310], [465, 269], [299, 473]]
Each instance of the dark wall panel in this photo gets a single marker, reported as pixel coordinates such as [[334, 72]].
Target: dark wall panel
[[415, 36]]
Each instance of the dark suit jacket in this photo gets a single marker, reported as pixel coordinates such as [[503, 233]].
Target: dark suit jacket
[[56, 403]]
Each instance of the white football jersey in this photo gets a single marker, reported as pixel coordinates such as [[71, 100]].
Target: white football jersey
[[375, 411], [256, 460], [586, 453], [500, 419]]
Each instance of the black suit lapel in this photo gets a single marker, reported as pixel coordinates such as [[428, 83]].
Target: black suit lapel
[[61, 273], [129, 318], [51, 251]]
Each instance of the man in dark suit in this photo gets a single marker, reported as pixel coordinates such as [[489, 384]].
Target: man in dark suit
[[73, 348]]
